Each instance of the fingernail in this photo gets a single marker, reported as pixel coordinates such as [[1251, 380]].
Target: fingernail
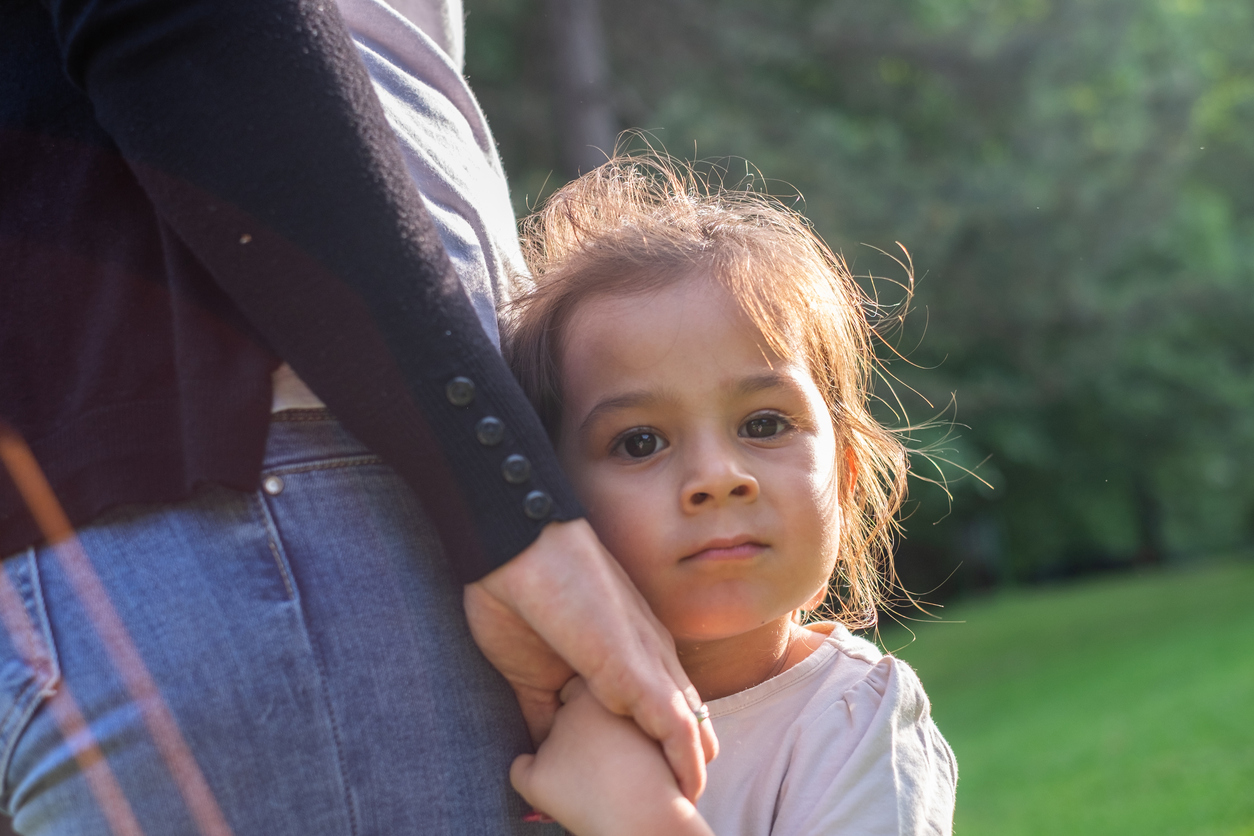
[[537, 817]]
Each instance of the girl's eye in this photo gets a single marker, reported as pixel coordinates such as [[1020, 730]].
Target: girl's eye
[[765, 426], [642, 444]]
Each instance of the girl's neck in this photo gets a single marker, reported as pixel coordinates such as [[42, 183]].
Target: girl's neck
[[722, 667]]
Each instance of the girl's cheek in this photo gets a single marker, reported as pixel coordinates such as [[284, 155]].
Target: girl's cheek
[[610, 512], [629, 529], [821, 472]]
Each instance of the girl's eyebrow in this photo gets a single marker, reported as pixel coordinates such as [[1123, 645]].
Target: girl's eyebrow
[[766, 380], [643, 398], [626, 400]]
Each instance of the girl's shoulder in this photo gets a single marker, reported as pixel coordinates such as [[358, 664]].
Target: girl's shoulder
[[866, 677], [854, 647], [849, 722], [866, 756], [847, 699]]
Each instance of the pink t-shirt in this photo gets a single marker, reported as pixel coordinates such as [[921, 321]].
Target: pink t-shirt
[[841, 744]]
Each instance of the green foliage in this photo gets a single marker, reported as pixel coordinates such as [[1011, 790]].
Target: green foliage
[[1107, 707], [1073, 180]]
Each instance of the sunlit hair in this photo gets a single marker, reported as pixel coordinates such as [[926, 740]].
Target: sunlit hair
[[639, 223]]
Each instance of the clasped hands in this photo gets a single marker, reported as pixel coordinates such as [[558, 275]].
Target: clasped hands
[[563, 608]]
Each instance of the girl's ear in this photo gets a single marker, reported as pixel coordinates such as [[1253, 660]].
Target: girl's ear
[[851, 466]]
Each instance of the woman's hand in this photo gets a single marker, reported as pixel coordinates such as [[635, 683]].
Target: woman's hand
[[599, 775], [564, 606]]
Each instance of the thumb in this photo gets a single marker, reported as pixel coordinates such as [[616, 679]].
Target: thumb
[[520, 774]]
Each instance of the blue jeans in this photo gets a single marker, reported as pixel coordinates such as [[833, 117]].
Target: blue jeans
[[308, 640]]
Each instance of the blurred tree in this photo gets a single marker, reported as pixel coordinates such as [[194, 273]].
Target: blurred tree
[[586, 125], [1073, 180]]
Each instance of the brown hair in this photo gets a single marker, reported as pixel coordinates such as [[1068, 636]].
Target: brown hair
[[641, 222]]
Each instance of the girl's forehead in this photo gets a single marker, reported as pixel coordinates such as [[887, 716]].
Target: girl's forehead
[[692, 290], [654, 314], [664, 313], [690, 336]]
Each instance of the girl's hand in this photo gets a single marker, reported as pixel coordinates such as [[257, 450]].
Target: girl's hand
[[599, 775]]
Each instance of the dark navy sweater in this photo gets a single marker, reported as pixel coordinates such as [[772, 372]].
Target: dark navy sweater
[[191, 190]]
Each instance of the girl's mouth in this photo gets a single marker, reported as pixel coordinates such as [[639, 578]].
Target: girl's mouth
[[734, 548]]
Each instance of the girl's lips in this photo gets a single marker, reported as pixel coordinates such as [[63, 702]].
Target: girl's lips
[[728, 550]]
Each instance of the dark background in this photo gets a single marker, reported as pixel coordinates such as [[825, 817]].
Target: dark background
[[1074, 181]]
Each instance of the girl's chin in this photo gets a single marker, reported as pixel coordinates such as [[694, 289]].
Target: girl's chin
[[689, 636]]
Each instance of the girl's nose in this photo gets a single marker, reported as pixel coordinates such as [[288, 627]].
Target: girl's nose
[[716, 479]]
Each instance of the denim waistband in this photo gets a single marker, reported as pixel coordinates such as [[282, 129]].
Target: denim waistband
[[308, 439]]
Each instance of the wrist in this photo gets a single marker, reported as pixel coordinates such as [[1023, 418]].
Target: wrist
[[535, 566], [679, 817]]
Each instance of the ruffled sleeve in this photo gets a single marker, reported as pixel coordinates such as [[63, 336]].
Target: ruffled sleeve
[[871, 763]]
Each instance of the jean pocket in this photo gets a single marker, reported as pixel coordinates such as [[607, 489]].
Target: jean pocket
[[29, 671]]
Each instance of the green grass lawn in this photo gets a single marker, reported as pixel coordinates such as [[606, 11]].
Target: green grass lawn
[[1116, 706]]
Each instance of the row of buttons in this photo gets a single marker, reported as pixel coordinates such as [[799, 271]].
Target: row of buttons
[[536, 504], [490, 431]]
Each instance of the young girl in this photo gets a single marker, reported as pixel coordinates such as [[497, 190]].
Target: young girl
[[702, 362]]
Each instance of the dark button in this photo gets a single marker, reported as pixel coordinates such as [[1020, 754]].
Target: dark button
[[490, 431], [460, 391], [537, 505], [516, 469]]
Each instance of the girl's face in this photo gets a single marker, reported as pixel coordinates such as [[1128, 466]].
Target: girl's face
[[707, 463]]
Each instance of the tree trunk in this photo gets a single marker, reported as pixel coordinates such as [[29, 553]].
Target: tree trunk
[[581, 84]]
